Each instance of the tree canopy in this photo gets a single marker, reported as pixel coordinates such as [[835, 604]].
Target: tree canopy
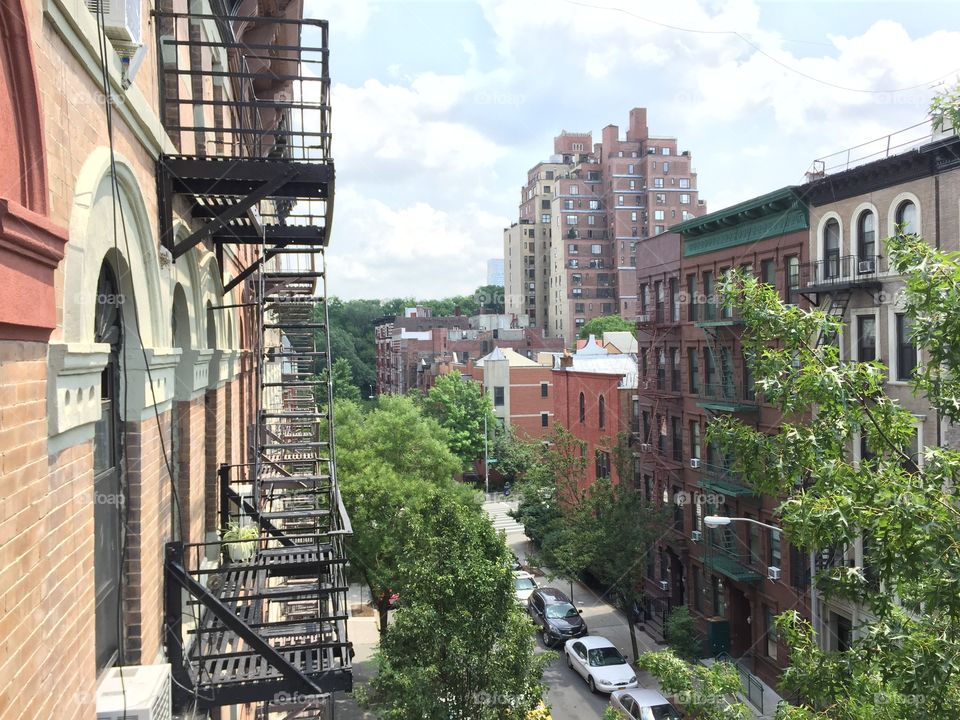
[[464, 410], [606, 323]]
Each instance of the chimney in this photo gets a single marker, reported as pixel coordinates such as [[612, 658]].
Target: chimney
[[566, 360]]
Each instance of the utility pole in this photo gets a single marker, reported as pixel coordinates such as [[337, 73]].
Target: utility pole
[[486, 458]]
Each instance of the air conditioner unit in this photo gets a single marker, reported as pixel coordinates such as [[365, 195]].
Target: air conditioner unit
[[645, 447], [664, 585], [121, 20], [144, 690], [867, 266], [696, 536], [695, 463], [645, 318], [773, 573]]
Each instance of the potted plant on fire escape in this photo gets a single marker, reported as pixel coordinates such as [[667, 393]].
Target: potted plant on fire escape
[[240, 541]]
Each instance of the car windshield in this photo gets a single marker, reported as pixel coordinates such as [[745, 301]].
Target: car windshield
[[561, 610], [524, 583], [601, 657], [659, 712]]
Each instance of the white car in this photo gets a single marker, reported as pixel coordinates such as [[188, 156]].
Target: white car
[[640, 704], [598, 661], [523, 586]]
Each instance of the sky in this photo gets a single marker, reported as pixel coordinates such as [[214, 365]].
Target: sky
[[440, 107]]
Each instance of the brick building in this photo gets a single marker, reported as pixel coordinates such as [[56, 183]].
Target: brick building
[[692, 370], [129, 370], [412, 350], [572, 254], [593, 399], [521, 389]]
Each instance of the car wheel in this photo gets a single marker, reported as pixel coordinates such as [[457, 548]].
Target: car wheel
[[569, 664], [545, 637], [591, 684]]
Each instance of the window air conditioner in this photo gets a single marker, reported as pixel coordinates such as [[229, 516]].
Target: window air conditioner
[[664, 585], [144, 690], [695, 463], [121, 21], [645, 318], [773, 573], [696, 536], [867, 266], [645, 447]]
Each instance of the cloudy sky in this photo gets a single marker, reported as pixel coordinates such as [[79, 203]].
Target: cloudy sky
[[441, 106]]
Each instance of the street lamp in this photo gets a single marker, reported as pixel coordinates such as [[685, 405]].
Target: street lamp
[[718, 521], [486, 459]]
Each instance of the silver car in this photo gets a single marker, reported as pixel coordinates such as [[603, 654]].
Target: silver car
[[642, 704]]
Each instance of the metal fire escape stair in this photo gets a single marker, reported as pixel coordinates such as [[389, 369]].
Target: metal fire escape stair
[[839, 300], [260, 620]]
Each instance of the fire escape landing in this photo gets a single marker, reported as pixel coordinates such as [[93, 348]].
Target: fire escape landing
[[261, 619]]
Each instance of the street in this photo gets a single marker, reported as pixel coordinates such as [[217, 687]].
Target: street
[[567, 693]]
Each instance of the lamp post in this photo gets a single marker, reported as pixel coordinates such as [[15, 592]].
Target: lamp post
[[718, 521], [486, 459]]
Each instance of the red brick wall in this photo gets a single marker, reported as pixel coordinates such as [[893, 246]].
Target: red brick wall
[[526, 404]]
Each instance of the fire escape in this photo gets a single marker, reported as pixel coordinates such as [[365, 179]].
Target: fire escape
[[261, 618]]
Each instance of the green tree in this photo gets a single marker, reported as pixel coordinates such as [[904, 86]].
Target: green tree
[[464, 410], [460, 646], [514, 456], [706, 693], [904, 660], [606, 323], [680, 631], [343, 387], [619, 529], [490, 298], [945, 109]]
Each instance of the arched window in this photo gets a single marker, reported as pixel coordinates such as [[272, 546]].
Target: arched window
[[867, 241], [831, 249], [107, 454], [907, 216], [583, 410], [602, 410], [211, 328]]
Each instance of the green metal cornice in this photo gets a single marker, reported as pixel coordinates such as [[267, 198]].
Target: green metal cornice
[[777, 213]]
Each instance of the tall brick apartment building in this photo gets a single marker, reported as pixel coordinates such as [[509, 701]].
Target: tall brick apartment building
[[692, 370], [146, 325], [571, 256]]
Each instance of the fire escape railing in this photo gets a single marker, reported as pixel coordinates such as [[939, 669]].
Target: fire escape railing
[[261, 618]]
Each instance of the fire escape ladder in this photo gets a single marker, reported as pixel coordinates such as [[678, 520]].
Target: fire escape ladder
[[722, 362], [260, 617], [837, 308]]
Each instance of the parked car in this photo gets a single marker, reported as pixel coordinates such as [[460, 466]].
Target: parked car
[[515, 563], [555, 616], [598, 661], [641, 704], [523, 585]]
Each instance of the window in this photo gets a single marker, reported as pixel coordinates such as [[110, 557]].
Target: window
[[633, 216], [684, 198], [596, 249], [793, 279], [771, 632], [709, 371], [578, 308], [573, 263], [666, 168], [633, 185], [619, 199], [866, 236], [567, 205], [630, 169], [571, 219], [693, 369], [708, 297], [676, 438], [549, 174], [674, 300], [907, 216], [574, 189], [546, 188], [544, 419], [658, 215], [695, 439], [906, 350], [603, 464], [657, 229], [658, 299], [583, 409], [684, 183], [602, 412], [591, 220], [544, 390], [573, 249], [768, 272], [866, 338], [658, 182], [643, 298], [544, 204], [594, 204], [675, 370], [545, 218], [831, 249], [498, 396], [775, 558], [646, 429], [719, 598], [107, 470], [691, 297], [661, 198], [661, 370]]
